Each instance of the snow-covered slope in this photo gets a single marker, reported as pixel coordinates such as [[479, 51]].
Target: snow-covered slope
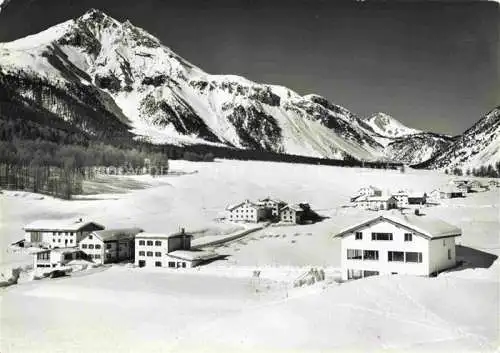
[[476, 147], [128, 74], [417, 148], [386, 126]]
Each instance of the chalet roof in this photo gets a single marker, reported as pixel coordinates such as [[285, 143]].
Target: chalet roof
[[450, 188], [293, 207], [193, 255], [267, 199], [58, 250], [59, 225], [426, 226], [117, 234], [146, 235], [247, 202], [371, 187]]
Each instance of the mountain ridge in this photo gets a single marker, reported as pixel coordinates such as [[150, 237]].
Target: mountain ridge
[[141, 88]]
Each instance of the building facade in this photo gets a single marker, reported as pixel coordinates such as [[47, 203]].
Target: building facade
[[291, 214], [247, 212], [54, 258], [111, 245], [397, 244], [58, 233], [376, 203], [273, 206], [401, 198]]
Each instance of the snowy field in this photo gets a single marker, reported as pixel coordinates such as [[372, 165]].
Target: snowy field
[[221, 307]]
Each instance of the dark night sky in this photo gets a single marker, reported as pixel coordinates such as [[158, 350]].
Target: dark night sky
[[434, 66]]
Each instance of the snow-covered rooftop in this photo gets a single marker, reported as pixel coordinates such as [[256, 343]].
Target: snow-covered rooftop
[[117, 234], [193, 255], [146, 235], [424, 225], [59, 225]]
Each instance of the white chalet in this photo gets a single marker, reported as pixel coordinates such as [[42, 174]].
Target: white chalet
[[247, 212], [369, 191], [168, 250], [273, 205], [110, 245], [58, 233], [401, 198], [397, 244], [376, 202], [291, 214]]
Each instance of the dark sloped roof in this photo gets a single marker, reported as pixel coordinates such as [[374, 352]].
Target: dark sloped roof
[[118, 234]]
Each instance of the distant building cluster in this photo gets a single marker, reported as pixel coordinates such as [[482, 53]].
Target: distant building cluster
[[272, 210], [60, 242]]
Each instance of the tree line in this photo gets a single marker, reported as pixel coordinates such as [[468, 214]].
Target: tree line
[[486, 171], [59, 169]]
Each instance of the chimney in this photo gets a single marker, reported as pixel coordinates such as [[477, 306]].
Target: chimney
[[183, 231]]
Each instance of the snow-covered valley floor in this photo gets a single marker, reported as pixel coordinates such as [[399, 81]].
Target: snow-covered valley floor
[[221, 307]]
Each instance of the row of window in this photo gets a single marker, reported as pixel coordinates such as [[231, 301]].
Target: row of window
[[149, 253], [382, 236], [59, 240], [392, 256], [171, 264], [92, 246], [150, 242], [63, 233]]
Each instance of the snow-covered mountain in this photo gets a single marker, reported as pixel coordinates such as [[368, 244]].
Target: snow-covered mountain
[[417, 148], [386, 126], [476, 147], [96, 63]]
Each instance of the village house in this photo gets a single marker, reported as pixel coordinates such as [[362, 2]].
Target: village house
[[168, 250], [462, 185], [367, 191], [376, 203], [417, 198], [434, 196], [55, 258], [272, 205], [292, 214], [247, 212], [397, 244], [401, 198], [111, 245], [451, 191], [58, 233]]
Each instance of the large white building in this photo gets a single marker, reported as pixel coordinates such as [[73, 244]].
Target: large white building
[[394, 243], [58, 233], [376, 203], [247, 211], [168, 250]]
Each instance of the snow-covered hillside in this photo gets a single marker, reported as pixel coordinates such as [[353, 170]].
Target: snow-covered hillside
[[166, 99], [222, 307], [417, 148], [386, 126], [476, 147]]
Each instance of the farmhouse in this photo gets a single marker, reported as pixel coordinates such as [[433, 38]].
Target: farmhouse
[[111, 245], [417, 198], [450, 191], [401, 198], [292, 214], [272, 205], [56, 257], [168, 250], [247, 212], [367, 191], [397, 244], [58, 233], [376, 202]]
